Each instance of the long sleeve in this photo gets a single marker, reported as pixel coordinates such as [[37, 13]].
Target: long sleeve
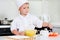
[[13, 25]]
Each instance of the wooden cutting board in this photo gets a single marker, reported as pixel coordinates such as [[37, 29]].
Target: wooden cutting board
[[19, 38]]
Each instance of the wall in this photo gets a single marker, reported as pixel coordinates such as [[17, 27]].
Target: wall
[[36, 8], [54, 11], [8, 9]]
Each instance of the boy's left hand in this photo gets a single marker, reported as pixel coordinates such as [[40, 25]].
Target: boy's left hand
[[45, 24]]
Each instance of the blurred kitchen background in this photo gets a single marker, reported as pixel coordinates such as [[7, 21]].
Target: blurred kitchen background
[[44, 9]]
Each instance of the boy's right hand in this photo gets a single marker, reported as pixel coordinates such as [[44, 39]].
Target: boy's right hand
[[22, 33], [17, 32]]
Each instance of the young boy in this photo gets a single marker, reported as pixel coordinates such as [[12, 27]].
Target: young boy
[[25, 21]]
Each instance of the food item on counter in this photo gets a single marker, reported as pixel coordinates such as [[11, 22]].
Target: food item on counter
[[30, 33], [53, 34]]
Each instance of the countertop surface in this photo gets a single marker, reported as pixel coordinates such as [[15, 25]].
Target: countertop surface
[[37, 38], [5, 26], [48, 38]]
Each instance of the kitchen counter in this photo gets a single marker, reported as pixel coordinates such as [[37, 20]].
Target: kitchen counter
[[48, 38], [4, 26], [37, 38]]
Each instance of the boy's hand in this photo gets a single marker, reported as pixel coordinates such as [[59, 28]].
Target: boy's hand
[[45, 24], [22, 33], [17, 32]]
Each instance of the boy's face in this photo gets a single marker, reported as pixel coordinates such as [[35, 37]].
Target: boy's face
[[24, 9]]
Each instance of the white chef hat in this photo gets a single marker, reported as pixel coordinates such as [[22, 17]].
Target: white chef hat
[[21, 2]]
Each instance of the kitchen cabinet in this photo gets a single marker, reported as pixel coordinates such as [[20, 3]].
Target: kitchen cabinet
[[5, 31]]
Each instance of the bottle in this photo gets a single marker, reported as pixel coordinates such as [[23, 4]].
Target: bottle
[[5, 21]]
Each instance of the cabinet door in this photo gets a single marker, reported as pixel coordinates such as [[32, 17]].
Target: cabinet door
[[5, 32]]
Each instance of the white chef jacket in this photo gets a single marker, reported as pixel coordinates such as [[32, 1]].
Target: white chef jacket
[[28, 22]]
